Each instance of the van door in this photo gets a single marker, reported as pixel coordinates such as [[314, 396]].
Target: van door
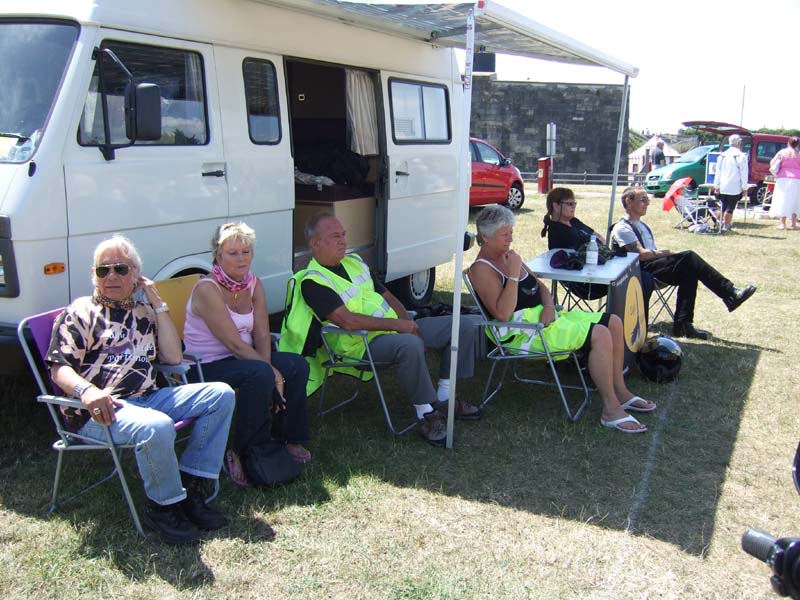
[[423, 170], [166, 196], [260, 168]]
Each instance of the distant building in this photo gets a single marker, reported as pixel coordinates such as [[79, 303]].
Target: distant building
[[639, 159], [513, 115]]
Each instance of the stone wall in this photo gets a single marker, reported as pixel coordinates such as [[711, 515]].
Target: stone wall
[[513, 116]]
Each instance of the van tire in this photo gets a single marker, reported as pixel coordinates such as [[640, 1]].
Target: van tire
[[516, 197], [415, 290]]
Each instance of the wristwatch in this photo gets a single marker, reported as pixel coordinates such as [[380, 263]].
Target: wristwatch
[[80, 388], [162, 309]]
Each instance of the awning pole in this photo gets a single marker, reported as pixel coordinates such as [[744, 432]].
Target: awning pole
[[465, 175], [620, 133]]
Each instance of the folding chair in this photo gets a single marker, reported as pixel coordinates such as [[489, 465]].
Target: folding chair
[[34, 334], [505, 354], [660, 300], [580, 296], [364, 366], [695, 211]]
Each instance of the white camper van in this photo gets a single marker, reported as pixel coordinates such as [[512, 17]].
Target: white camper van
[[162, 119]]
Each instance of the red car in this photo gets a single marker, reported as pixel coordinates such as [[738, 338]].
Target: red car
[[494, 179]]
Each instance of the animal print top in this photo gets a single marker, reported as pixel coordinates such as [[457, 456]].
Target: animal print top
[[110, 347]]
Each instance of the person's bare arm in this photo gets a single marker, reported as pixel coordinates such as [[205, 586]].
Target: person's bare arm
[[644, 253], [209, 305], [499, 301], [92, 397]]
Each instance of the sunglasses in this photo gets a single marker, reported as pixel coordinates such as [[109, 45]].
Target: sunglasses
[[573, 203], [119, 268]]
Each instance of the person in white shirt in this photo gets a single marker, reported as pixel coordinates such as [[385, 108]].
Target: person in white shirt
[[730, 179]]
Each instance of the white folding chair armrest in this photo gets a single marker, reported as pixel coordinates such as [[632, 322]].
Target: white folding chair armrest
[[336, 330], [171, 371], [60, 401], [514, 324]]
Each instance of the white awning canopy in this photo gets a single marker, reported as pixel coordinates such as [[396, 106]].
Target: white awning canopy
[[498, 29]]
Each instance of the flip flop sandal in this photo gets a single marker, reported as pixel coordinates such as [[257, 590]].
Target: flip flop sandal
[[615, 424], [235, 470], [629, 405], [300, 455]]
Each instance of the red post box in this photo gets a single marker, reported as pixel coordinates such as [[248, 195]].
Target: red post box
[[545, 175]]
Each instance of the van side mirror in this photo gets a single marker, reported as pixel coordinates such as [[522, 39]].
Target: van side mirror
[[142, 111]]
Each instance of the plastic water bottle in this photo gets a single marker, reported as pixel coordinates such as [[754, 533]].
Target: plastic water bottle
[[591, 252]]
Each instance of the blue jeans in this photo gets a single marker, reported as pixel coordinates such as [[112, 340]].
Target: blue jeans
[[148, 423], [254, 381]]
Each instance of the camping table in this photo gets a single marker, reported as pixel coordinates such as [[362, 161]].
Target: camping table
[[621, 275]]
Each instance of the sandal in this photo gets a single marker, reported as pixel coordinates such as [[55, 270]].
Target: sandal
[[235, 470], [299, 454], [631, 405]]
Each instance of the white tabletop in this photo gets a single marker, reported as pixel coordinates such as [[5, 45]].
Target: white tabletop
[[600, 274]]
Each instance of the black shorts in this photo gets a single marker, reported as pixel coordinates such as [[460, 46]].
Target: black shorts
[[729, 201]]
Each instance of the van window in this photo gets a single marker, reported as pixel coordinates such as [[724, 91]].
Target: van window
[[766, 150], [261, 95], [179, 75], [35, 56], [419, 112]]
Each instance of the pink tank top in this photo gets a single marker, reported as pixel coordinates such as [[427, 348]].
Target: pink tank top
[[198, 337], [790, 168]]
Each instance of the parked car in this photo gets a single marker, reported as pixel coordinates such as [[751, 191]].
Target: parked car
[[494, 179], [690, 164]]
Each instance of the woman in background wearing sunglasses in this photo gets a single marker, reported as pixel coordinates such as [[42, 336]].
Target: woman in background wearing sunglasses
[[562, 228], [227, 323], [509, 291]]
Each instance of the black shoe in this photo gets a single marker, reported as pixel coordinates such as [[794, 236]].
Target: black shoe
[[738, 296], [687, 330], [464, 411], [201, 514], [171, 525]]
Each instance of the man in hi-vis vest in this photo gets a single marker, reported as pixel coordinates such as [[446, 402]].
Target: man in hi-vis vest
[[339, 288]]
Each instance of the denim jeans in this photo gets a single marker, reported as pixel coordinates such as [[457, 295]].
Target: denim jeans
[[148, 423], [254, 381]]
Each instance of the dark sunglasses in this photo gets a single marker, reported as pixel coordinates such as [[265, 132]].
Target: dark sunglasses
[[573, 203], [119, 268]]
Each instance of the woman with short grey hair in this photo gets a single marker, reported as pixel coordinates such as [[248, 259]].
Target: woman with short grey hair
[[491, 219]]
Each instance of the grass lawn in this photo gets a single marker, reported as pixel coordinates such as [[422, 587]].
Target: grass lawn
[[526, 505]]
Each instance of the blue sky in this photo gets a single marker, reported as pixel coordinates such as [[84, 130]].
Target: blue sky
[[697, 59]]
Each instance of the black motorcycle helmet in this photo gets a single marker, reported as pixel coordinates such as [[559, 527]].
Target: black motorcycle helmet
[[660, 358]]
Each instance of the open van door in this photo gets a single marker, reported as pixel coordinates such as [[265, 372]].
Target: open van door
[[422, 189]]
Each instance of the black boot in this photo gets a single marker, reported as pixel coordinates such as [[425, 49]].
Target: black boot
[[738, 296], [170, 523], [687, 330], [195, 507]]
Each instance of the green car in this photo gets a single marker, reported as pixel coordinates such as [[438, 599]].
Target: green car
[[690, 164]]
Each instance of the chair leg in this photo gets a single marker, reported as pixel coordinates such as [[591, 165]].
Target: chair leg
[[487, 396], [56, 482], [388, 417], [125, 490], [320, 411]]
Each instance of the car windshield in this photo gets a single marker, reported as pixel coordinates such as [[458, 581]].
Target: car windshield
[[695, 154], [34, 56]]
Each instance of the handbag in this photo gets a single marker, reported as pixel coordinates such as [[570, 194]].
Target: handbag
[[269, 464]]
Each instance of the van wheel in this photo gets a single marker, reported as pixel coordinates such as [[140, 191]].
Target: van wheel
[[415, 290], [516, 196]]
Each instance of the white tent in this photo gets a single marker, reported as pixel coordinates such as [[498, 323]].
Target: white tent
[[637, 160], [493, 28]]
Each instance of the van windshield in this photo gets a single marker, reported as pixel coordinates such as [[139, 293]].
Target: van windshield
[[694, 154], [34, 56]]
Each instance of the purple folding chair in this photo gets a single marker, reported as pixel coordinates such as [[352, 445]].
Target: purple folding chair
[[34, 335]]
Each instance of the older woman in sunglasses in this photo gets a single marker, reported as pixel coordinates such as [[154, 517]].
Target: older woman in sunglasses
[[101, 352], [227, 323], [509, 291]]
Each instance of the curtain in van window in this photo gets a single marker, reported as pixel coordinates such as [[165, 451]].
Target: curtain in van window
[[362, 115]]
